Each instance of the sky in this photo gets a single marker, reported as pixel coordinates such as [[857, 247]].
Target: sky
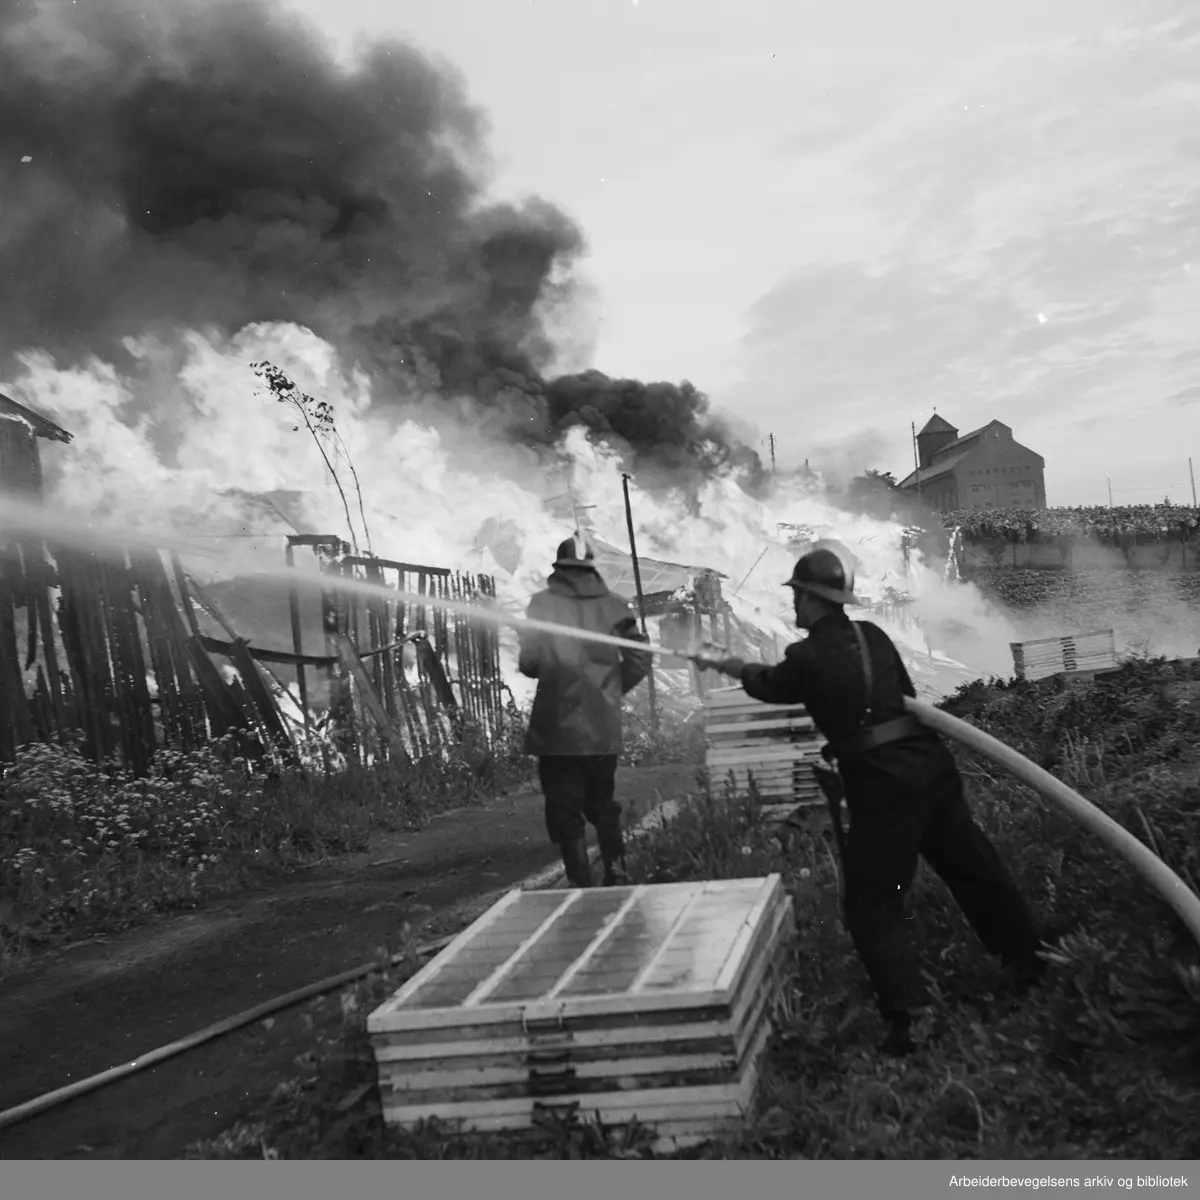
[[834, 219]]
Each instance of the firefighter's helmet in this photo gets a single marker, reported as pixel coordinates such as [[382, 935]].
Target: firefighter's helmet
[[575, 552], [824, 574]]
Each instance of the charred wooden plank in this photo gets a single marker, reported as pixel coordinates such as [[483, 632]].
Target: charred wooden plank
[[297, 637], [371, 702], [263, 701]]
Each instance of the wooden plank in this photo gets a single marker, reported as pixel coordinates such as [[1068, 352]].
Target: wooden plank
[[644, 1105], [355, 669], [753, 757], [579, 1081], [10, 670], [169, 602], [297, 637], [264, 702], [392, 565], [480, 1073], [87, 651], [335, 625], [159, 653], [185, 597], [224, 711], [768, 754], [791, 774], [1078, 637], [42, 582]]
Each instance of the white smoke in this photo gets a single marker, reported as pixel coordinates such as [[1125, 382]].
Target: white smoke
[[223, 463]]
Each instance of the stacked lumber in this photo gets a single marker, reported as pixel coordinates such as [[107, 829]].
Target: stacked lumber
[[649, 1004], [1069, 655], [775, 744]]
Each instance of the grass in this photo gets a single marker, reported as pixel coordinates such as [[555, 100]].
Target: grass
[[86, 848], [1101, 1061]]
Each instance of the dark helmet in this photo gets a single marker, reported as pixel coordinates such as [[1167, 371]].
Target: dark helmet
[[575, 552], [824, 574]]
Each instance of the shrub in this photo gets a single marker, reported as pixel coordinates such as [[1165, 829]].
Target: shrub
[[88, 847]]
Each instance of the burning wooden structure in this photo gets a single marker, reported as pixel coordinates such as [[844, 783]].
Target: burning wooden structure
[[20, 458], [113, 648], [414, 658]]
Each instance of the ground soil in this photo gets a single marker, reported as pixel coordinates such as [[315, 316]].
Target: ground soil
[[90, 1007]]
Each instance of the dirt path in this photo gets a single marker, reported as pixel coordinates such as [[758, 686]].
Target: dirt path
[[94, 1006]]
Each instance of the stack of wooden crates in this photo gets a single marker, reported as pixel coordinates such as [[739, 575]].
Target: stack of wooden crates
[[1079, 655], [648, 1004], [773, 744]]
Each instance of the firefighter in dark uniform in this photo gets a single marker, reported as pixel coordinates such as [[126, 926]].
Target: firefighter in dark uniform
[[903, 790], [575, 725]]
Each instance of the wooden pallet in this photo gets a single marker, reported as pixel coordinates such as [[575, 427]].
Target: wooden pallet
[[649, 1002], [773, 744], [1071, 655]]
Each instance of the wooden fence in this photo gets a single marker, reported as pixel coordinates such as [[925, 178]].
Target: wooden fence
[[112, 648], [456, 681]]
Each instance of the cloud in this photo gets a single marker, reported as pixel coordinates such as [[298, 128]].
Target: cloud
[[1187, 396], [1060, 180]]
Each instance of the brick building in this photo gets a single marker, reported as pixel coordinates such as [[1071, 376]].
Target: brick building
[[985, 468]]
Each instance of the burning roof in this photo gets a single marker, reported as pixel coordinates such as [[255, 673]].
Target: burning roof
[[40, 426]]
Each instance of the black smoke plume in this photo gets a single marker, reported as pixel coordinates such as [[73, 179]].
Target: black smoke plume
[[207, 163]]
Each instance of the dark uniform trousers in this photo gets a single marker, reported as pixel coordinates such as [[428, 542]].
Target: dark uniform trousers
[[914, 805], [580, 788]]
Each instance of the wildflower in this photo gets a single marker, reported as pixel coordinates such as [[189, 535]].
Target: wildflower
[[804, 872]]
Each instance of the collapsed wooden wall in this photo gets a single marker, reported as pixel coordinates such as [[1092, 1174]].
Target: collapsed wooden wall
[[98, 646], [112, 648]]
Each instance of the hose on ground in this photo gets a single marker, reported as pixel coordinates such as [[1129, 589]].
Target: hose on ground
[[40, 1104]]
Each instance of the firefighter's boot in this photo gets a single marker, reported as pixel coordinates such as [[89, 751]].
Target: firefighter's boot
[[576, 862], [612, 853], [614, 872]]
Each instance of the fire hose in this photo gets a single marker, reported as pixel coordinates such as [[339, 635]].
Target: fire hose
[[1154, 871]]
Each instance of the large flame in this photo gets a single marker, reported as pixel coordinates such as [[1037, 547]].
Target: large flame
[[224, 463]]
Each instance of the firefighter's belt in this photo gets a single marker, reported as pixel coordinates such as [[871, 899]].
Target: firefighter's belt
[[872, 737]]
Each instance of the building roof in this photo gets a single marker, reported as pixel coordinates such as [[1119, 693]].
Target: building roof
[[616, 569], [40, 425], [961, 442], [937, 424], [943, 466]]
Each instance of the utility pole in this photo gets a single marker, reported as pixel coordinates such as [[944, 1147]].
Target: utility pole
[[1109, 478], [641, 599], [916, 461], [1193, 475], [771, 439]]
